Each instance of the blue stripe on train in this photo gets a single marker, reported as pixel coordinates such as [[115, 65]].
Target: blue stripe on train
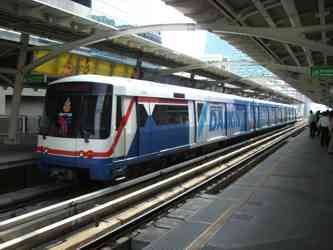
[[98, 169]]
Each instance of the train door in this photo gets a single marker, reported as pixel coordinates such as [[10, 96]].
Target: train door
[[201, 121], [241, 118], [192, 121], [251, 120], [216, 121], [144, 127], [256, 116], [131, 128]]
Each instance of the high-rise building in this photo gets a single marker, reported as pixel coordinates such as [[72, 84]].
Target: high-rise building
[[235, 61]]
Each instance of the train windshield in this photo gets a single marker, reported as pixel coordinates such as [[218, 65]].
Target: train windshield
[[78, 110]]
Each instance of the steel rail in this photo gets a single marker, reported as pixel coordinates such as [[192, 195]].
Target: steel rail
[[19, 220]]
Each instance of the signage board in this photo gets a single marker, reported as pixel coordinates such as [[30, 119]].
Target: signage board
[[35, 78], [322, 72]]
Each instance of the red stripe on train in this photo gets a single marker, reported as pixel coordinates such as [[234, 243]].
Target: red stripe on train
[[160, 100]]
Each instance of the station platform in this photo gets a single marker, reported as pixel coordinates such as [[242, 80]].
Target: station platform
[[18, 167], [285, 202], [10, 154]]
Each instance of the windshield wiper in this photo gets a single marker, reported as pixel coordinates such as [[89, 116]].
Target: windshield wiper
[[85, 134], [44, 131]]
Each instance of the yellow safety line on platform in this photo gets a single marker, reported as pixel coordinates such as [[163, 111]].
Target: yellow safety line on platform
[[203, 238]]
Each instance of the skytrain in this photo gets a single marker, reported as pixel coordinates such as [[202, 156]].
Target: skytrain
[[102, 126]]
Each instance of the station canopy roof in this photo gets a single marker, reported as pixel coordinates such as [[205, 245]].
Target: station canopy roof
[[59, 20], [298, 36]]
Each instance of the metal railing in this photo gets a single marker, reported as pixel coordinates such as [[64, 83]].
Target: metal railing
[[27, 125]]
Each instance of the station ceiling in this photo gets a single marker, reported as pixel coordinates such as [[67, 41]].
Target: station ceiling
[[58, 20], [286, 56]]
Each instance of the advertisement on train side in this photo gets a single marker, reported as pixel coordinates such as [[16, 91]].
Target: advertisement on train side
[[212, 118]]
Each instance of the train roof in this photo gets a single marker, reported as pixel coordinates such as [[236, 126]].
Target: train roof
[[135, 87]]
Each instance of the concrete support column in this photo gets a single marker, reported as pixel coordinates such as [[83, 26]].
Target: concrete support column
[[2, 101], [17, 94], [138, 72]]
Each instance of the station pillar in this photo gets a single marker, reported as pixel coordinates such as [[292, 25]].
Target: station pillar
[[2, 101], [138, 71], [17, 92]]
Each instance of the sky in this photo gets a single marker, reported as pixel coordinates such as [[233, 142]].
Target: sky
[[191, 43]]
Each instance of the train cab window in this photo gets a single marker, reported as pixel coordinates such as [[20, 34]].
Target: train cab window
[[142, 115], [61, 116], [77, 110], [96, 116], [170, 114]]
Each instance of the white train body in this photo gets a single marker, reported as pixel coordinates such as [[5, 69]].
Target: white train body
[[103, 125]]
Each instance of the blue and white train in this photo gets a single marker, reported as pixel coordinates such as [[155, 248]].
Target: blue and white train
[[102, 125]]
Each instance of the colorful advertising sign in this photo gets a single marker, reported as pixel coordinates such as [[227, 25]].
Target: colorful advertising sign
[[68, 64]]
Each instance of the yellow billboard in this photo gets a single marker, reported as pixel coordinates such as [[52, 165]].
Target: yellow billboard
[[72, 64]]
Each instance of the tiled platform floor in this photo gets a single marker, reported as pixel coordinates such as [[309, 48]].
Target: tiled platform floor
[[284, 203]]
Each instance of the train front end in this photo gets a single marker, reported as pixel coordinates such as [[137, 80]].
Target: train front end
[[75, 133]]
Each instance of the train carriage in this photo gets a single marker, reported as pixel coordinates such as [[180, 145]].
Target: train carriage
[[102, 125]]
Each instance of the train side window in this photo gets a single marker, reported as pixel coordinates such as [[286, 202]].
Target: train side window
[[170, 114], [119, 114], [142, 115]]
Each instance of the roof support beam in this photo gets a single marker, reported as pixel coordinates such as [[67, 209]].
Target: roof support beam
[[234, 79], [284, 35], [7, 80], [272, 24], [248, 12], [290, 35], [9, 71], [322, 15], [164, 72], [7, 52], [107, 35], [291, 10], [296, 69], [189, 68], [236, 19]]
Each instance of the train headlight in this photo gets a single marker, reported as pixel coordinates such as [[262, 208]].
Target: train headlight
[[89, 154]]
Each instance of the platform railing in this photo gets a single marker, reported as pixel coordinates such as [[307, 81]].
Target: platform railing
[[27, 125]]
